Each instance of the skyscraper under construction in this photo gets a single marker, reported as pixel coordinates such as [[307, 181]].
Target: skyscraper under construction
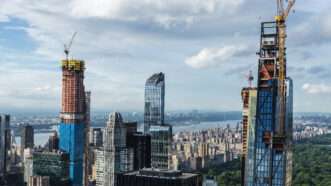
[[73, 117], [271, 160]]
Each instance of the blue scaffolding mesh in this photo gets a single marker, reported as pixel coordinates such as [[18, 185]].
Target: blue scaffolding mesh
[[72, 141]]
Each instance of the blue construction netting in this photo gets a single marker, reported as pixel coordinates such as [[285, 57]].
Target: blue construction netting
[[72, 140]]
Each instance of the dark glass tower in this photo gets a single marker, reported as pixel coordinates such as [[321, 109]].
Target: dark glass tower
[[4, 143], [154, 101], [53, 142], [141, 144], [271, 161], [27, 138]]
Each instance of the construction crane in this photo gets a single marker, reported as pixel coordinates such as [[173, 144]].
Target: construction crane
[[282, 15], [67, 47], [250, 78]]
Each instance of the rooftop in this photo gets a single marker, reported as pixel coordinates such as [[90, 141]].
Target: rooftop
[[72, 64], [155, 78], [162, 173]]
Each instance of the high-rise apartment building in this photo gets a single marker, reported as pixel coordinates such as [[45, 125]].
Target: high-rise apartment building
[[203, 149], [73, 117], [154, 101], [161, 141], [99, 167], [271, 162], [117, 156], [27, 138], [4, 143]]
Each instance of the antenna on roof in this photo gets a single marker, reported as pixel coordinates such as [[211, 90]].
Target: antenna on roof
[[250, 78]]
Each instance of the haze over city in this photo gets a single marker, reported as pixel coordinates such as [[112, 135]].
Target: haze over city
[[205, 48]]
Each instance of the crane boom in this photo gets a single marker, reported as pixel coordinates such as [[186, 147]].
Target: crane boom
[[67, 47], [280, 7], [72, 40], [288, 9]]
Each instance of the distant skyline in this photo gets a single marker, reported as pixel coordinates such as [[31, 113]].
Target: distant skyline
[[204, 47]]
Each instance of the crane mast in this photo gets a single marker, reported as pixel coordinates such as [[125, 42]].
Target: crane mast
[[281, 18]]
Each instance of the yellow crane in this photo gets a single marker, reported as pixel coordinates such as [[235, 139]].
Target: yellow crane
[[282, 15]]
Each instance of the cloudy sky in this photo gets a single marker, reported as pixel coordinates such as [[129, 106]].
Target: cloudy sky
[[205, 47]]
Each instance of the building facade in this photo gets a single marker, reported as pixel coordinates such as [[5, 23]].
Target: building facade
[[4, 143], [73, 117], [126, 160], [27, 137], [28, 164], [99, 166], [141, 145], [53, 142], [161, 141], [154, 101], [96, 137], [53, 164], [114, 147], [38, 181], [87, 161], [248, 122]]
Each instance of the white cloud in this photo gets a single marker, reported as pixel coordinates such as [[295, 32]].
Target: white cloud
[[316, 88], [326, 25], [124, 41], [166, 13], [212, 57], [4, 18]]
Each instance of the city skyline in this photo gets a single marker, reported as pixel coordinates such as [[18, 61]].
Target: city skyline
[[200, 45], [198, 56]]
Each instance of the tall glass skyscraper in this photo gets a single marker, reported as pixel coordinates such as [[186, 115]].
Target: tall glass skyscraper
[[154, 101], [161, 133]]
